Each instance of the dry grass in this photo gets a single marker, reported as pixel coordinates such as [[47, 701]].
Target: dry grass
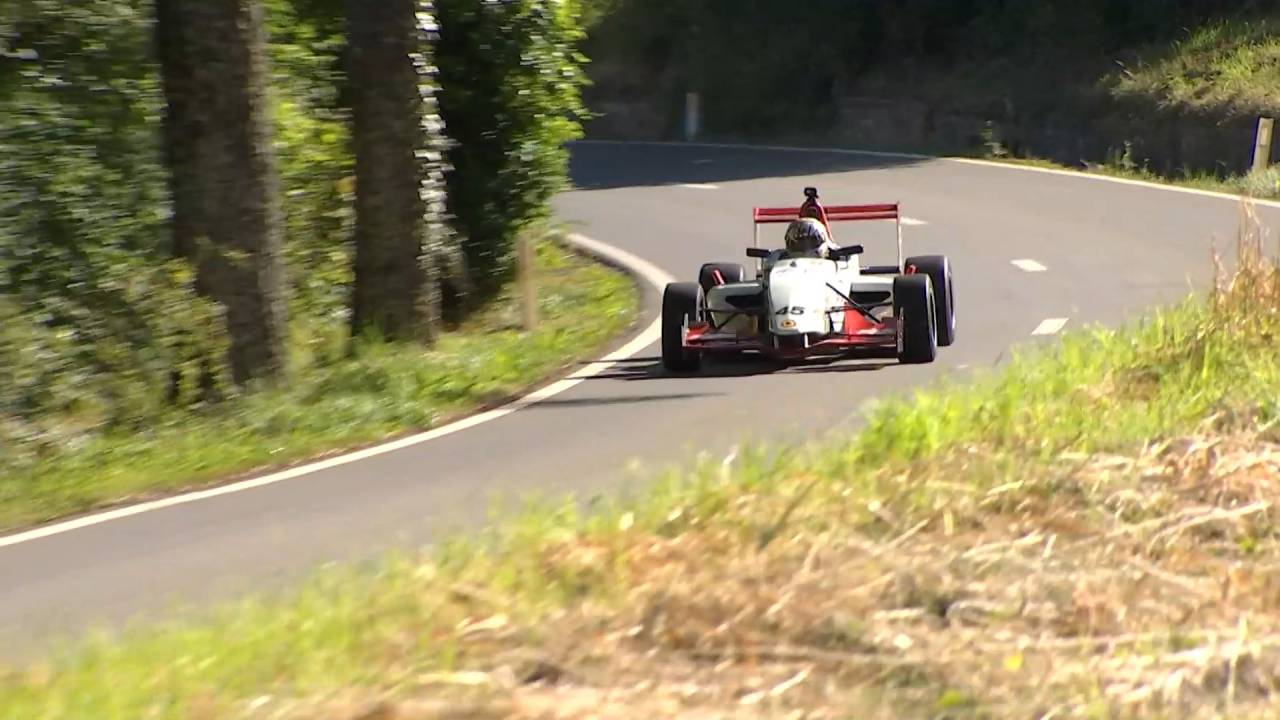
[[1090, 586], [1135, 585]]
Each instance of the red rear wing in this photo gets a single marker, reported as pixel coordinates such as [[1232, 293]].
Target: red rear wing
[[836, 213], [833, 214]]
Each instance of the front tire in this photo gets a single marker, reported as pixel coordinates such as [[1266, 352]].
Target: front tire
[[938, 268], [681, 307], [914, 308]]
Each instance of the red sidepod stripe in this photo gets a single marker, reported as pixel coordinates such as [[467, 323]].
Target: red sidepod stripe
[[855, 322]]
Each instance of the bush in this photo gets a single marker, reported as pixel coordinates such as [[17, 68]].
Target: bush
[[98, 322], [511, 81]]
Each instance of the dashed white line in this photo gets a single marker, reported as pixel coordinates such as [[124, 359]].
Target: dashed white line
[[700, 186], [1027, 265], [1052, 326]]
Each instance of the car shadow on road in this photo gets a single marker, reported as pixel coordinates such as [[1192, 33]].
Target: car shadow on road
[[650, 368]]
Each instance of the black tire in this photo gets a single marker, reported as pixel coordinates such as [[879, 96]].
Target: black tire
[[914, 307], [731, 272], [681, 306], [938, 268]]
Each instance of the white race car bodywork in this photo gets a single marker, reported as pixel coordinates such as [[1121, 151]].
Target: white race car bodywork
[[797, 297], [801, 306]]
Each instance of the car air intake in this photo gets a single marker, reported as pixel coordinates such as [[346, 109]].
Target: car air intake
[[870, 297], [746, 302]]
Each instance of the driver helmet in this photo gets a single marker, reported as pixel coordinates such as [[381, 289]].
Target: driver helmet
[[808, 237]]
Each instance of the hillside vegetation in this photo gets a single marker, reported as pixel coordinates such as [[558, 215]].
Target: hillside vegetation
[[1173, 86]]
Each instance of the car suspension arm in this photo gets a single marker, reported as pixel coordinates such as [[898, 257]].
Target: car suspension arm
[[866, 311]]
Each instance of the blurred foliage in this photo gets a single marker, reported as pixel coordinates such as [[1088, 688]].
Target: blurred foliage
[[96, 317], [313, 141], [101, 332], [511, 80]]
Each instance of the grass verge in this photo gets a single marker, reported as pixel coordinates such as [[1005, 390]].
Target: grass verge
[[331, 404], [1262, 185], [1088, 532]]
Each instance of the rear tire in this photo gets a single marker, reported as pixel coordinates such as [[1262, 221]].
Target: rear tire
[[681, 307], [731, 272], [938, 268], [913, 306]]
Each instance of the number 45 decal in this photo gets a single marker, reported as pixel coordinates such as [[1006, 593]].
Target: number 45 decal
[[796, 310]]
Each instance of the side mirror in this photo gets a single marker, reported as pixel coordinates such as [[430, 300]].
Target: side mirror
[[757, 253], [846, 252]]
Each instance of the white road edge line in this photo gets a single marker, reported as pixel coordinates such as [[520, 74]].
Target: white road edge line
[[636, 265], [700, 186], [1052, 326], [1028, 265], [967, 161]]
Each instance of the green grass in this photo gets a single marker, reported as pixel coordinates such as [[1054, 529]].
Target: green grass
[[1264, 185], [332, 404], [1225, 69], [714, 548], [1231, 64]]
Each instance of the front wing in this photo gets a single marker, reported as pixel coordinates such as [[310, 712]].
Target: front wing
[[858, 333]]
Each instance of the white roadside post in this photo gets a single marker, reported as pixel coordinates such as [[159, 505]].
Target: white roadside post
[[1262, 145], [528, 290], [692, 116]]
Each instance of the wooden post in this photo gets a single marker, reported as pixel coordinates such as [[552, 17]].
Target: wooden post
[[528, 288], [1262, 148], [692, 116]]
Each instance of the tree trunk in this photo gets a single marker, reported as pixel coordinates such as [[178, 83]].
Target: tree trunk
[[450, 288], [227, 214], [402, 236]]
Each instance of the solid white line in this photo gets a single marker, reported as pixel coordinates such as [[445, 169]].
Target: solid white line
[[967, 161], [913, 222], [1052, 326], [700, 186], [643, 268], [1028, 265]]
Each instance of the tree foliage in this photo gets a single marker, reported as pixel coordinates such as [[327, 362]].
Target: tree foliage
[[94, 315], [511, 80], [101, 326], [98, 320]]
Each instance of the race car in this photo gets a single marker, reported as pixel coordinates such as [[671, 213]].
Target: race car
[[812, 301]]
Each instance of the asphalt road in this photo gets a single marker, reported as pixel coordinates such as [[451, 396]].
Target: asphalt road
[[1097, 251]]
